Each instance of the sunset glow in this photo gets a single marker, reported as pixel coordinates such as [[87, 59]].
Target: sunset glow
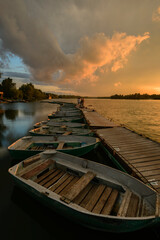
[[96, 48]]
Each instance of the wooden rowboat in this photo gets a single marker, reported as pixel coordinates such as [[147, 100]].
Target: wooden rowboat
[[88, 193], [30, 145], [64, 114], [59, 124], [61, 130]]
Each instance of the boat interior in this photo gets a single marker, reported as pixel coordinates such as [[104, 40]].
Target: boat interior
[[85, 189], [54, 145]]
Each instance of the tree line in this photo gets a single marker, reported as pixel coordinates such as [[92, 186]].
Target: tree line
[[26, 92], [136, 96]]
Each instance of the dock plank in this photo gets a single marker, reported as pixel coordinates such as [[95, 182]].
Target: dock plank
[[95, 120], [137, 153]]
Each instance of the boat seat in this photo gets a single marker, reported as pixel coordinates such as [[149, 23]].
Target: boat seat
[[37, 170], [74, 191], [31, 160], [60, 145]]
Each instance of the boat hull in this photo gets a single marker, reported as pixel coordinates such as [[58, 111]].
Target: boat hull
[[68, 119], [79, 151], [107, 224]]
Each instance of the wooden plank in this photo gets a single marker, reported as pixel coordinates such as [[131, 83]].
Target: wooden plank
[[151, 173], [83, 194], [31, 160], [60, 145], [25, 146], [67, 188], [148, 168], [38, 180], [37, 170], [140, 151], [92, 202], [62, 186], [78, 187], [146, 163], [54, 179], [140, 156], [157, 206], [133, 206], [96, 120], [49, 177], [110, 203], [88, 196], [67, 133], [125, 203], [100, 204], [61, 181], [139, 160]]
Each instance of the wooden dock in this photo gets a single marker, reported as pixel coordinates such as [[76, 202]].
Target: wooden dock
[[95, 120], [138, 155]]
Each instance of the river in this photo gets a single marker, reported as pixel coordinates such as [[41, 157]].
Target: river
[[142, 116], [22, 217]]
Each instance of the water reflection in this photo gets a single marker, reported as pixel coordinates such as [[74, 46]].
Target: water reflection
[[16, 119], [11, 114]]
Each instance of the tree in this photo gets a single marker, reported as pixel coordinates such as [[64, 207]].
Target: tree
[[9, 88], [28, 91]]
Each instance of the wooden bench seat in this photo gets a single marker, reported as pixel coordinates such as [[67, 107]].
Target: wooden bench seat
[[31, 160], [37, 170]]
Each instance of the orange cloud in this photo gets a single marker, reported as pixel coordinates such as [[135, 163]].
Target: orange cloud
[[117, 84], [99, 54], [156, 15]]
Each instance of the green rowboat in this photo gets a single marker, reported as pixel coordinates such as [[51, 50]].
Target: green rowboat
[[65, 114], [91, 194], [61, 130], [59, 124], [30, 145]]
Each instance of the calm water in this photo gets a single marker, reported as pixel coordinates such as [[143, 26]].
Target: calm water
[[142, 116], [21, 217]]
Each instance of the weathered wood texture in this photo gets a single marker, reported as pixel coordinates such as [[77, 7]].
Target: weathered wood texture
[[140, 154], [95, 120], [96, 198], [78, 187]]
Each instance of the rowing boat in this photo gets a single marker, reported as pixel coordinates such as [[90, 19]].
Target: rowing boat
[[91, 194], [60, 130], [65, 114], [30, 145], [68, 119], [59, 124]]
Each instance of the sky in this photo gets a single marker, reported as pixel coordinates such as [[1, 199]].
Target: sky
[[82, 47]]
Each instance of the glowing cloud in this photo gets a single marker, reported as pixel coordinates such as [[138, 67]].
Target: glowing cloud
[[156, 15], [30, 38]]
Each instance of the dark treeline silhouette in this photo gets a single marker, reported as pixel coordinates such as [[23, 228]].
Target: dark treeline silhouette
[[26, 92], [136, 96]]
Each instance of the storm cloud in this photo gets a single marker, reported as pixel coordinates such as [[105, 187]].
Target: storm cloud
[[33, 30]]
